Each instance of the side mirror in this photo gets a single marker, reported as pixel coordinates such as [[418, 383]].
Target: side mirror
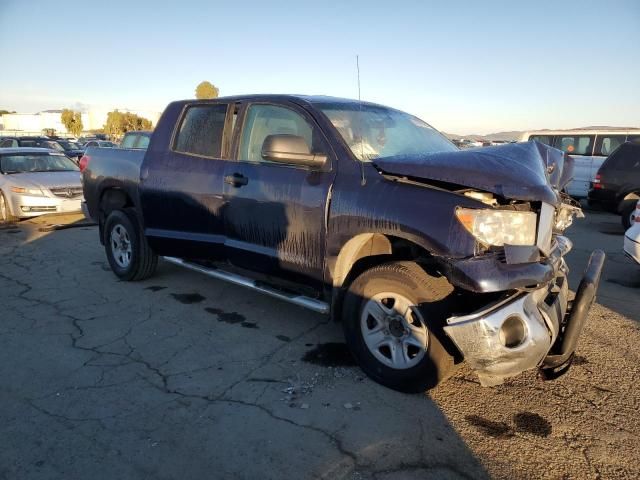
[[284, 148]]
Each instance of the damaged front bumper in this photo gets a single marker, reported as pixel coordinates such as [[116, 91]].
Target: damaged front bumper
[[531, 327]]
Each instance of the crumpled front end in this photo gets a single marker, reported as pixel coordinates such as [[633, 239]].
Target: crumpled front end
[[533, 324], [513, 334]]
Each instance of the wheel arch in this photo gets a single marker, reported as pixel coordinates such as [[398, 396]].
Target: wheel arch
[[111, 198], [367, 250]]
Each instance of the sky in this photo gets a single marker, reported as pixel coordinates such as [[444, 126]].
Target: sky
[[463, 66]]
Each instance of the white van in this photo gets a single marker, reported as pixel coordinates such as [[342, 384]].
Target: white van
[[588, 147]]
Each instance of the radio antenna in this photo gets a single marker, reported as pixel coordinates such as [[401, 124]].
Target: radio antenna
[[363, 180], [358, 68]]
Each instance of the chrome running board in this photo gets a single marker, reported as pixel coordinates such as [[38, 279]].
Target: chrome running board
[[301, 300]]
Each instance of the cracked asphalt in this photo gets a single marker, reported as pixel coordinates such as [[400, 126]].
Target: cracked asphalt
[[182, 376]]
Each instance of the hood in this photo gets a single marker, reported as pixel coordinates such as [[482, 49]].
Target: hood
[[47, 180], [528, 171]]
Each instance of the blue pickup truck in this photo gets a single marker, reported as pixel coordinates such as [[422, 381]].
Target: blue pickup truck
[[428, 255]]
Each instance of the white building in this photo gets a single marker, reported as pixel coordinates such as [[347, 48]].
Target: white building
[[35, 123]]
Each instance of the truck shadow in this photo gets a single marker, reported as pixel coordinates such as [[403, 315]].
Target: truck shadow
[[174, 368]]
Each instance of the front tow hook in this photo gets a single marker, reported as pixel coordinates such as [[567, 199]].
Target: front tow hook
[[561, 355]]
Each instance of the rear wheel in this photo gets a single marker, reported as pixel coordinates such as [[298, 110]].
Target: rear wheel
[[392, 318], [128, 252]]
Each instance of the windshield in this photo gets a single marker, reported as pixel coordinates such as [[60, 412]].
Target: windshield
[[52, 145], [374, 132], [33, 162], [106, 144]]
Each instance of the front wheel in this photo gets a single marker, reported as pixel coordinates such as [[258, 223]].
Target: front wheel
[[5, 210], [392, 319], [128, 252], [628, 213]]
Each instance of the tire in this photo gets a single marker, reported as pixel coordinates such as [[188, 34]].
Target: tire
[[5, 210], [128, 252], [626, 211], [415, 369]]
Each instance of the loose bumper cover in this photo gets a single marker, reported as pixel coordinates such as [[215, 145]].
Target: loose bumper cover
[[547, 323]]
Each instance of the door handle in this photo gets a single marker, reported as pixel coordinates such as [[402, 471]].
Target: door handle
[[237, 180]]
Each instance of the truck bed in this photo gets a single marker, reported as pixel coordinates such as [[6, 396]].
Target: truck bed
[[111, 167]]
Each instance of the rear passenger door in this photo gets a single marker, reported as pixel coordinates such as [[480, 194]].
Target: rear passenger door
[[275, 212], [181, 185]]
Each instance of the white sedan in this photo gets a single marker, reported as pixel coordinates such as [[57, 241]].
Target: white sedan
[[632, 236], [34, 181]]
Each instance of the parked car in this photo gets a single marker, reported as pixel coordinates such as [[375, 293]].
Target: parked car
[[29, 141], [34, 181], [616, 187], [97, 136], [632, 236], [427, 254], [73, 150], [138, 139], [99, 144]]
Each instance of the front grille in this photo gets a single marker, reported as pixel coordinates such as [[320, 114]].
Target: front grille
[[67, 192]]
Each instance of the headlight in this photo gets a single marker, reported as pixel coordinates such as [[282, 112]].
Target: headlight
[[28, 191], [499, 227]]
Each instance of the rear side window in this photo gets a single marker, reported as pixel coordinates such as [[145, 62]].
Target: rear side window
[[575, 144], [201, 129], [606, 144], [546, 139]]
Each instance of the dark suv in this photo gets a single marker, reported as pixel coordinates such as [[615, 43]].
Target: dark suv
[[616, 187]]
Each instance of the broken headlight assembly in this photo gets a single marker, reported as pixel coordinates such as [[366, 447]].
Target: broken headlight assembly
[[565, 215], [499, 227]]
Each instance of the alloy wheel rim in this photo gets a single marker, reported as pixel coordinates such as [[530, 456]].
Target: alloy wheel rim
[[394, 330], [121, 246]]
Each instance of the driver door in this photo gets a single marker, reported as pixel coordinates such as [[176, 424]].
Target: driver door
[[275, 212]]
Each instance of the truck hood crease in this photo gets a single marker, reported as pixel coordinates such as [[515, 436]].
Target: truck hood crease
[[529, 171]]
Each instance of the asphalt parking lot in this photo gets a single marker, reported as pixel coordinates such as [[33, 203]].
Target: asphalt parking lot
[[182, 376]]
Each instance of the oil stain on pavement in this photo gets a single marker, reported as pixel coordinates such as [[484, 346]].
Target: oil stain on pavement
[[155, 288], [188, 298], [525, 422], [226, 317], [529, 422], [331, 354], [489, 427]]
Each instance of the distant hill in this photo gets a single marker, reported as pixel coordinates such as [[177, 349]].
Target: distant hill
[[516, 134], [507, 136]]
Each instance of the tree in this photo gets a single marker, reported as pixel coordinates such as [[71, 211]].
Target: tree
[[2, 112], [206, 90], [119, 123], [72, 121]]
